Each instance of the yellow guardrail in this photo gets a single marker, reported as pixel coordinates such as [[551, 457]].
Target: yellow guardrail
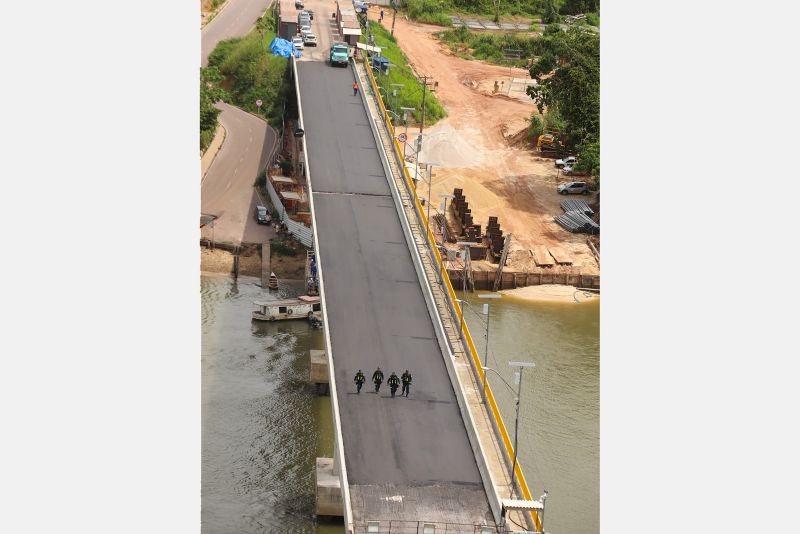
[[523, 484]]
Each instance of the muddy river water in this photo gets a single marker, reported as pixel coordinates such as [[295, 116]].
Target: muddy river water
[[263, 426]]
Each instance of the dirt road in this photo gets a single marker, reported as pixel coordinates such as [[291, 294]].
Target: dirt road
[[473, 150]]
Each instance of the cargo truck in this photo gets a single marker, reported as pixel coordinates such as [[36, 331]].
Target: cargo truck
[[339, 54]]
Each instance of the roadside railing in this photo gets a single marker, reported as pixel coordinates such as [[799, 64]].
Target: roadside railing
[[454, 306], [419, 527]]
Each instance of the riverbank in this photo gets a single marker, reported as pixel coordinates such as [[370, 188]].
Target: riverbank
[[221, 261], [550, 293]]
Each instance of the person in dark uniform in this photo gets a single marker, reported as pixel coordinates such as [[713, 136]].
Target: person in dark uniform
[[377, 379], [359, 380], [406, 378], [393, 382]]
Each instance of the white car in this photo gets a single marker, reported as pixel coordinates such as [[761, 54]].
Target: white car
[[305, 28], [309, 39], [570, 161], [297, 41]]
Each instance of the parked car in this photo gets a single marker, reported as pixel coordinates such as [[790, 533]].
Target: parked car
[[361, 7], [304, 29], [262, 216], [297, 41], [309, 39], [573, 188], [570, 161], [298, 4]]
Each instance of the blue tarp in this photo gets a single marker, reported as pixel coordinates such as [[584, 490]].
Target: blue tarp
[[282, 47]]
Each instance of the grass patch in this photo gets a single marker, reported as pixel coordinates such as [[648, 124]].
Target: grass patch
[[490, 46], [430, 11], [252, 73], [409, 96]]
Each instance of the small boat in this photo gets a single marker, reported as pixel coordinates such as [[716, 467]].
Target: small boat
[[305, 307], [273, 281]]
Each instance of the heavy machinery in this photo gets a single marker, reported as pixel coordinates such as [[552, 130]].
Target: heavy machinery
[[551, 144]]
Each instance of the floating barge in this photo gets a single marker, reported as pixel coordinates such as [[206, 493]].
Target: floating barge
[[304, 307]]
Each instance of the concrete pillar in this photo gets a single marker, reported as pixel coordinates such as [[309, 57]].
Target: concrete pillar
[[319, 370], [328, 489]]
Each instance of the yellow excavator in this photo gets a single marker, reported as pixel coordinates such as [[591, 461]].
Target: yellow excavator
[[551, 144]]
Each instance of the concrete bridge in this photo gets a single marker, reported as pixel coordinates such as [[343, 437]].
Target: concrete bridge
[[439, 460]]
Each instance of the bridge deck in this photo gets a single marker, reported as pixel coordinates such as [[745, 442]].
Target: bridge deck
[[407, 458]]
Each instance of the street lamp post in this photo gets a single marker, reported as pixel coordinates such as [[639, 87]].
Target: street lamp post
[[405, 133], [444, 220], [522, 366], [466, 245], [486, 350]]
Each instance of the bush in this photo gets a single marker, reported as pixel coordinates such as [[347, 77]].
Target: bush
[[281, 248], [286, 166], [491, 46], [431, 11], [253, 73]]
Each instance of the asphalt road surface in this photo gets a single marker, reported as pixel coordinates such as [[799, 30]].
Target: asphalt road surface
[[227, 189], [235, 20], [377, 315]]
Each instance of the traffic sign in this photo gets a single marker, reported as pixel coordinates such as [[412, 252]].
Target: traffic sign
[[258, 103], [401, 138]]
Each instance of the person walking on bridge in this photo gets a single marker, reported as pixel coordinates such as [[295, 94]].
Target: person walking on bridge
[[377, 379], [359, 380], [355, 88], [406, 378], [393, 383]]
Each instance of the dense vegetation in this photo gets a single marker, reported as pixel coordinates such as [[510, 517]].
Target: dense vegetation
[[567, 72], [241, 71], [490, 46], [209, 93], [410, 95], [436, 11]]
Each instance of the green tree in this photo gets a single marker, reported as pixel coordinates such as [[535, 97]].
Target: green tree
[[567, 74], [550, 14], [568, 80], [209, 94]]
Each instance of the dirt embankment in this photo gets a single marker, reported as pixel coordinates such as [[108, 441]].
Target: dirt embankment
[[221, 261], [480, 147]]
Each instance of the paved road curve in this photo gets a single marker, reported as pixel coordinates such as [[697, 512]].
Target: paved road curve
[[235, 20], [415, 449], [227, 189]]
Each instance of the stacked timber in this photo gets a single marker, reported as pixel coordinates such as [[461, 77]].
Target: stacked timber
[[495, 236]]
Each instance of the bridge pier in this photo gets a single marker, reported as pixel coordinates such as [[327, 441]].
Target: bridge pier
[[319, 371], [329, 489]]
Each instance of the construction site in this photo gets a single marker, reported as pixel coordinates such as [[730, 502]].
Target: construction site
[[488, 183]]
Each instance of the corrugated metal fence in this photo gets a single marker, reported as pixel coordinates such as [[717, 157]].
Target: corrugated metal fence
[[301, 232]]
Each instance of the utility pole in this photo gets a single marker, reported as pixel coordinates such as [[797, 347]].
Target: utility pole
[[424, 87], [394, 15]]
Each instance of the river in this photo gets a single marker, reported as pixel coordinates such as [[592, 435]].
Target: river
[[559, 428], [263, 425]]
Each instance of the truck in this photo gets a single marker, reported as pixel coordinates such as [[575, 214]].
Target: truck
[[339, 54]]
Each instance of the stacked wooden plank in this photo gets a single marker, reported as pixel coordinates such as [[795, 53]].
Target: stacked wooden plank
[[560, 255], [542, 256], [495, 235]]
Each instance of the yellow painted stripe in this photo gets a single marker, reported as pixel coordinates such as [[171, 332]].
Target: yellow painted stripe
[[473, 351]]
